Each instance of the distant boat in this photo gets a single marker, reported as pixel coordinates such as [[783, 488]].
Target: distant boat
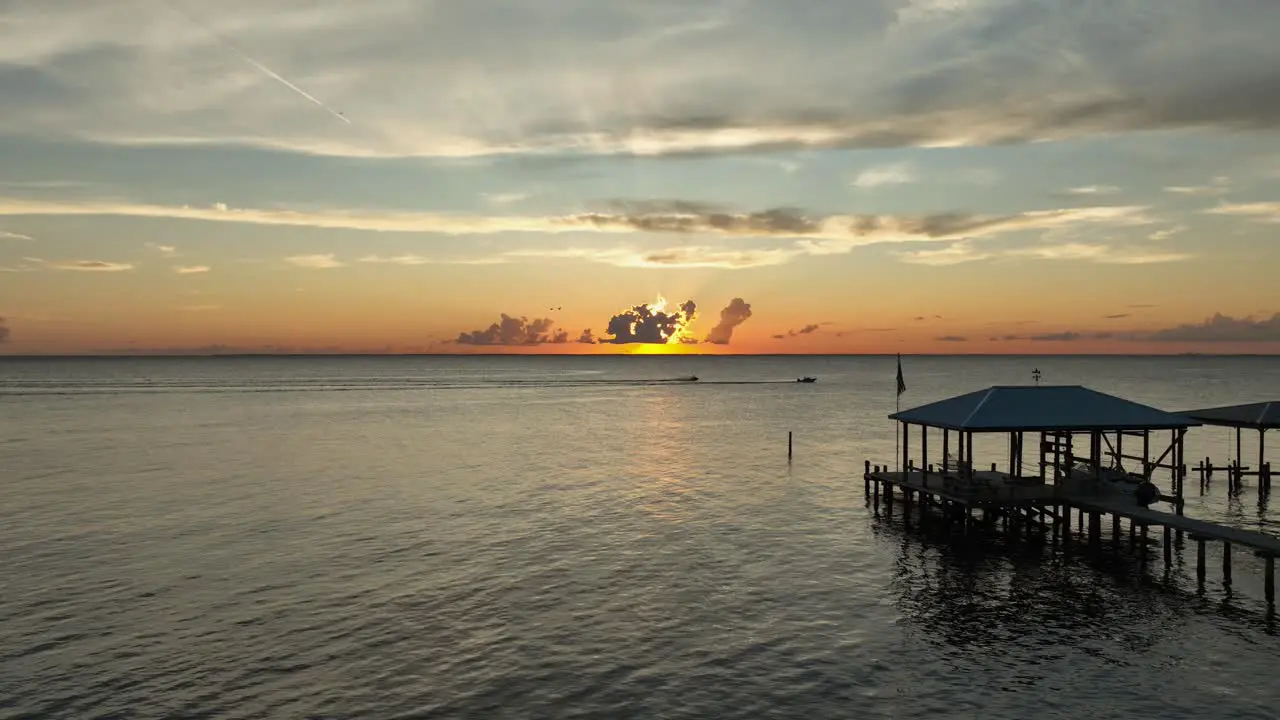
[[691, 378], [807, 379]]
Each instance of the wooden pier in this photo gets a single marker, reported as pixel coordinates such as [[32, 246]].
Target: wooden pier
[[1090, 482]]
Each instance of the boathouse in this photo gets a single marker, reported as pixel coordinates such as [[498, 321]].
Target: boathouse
[[1261, 416], [1092, 452], [1078, 439]]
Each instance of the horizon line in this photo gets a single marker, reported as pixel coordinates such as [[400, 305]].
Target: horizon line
[[318, 354]]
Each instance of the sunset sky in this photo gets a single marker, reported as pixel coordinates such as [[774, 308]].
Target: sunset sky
[[973, 176]]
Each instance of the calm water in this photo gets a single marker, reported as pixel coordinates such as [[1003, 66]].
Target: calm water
[[535, 538]]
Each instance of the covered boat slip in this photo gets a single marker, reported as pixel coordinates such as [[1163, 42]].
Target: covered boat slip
[[1261, 416], [1090, 452], [1081, 440]]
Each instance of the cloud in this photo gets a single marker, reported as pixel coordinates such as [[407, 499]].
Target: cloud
[[191, 269], [4, 235], [1260, 211], [1217, 329], [733, 315], [896, 174], [586, 338], [966, 252], [85, 265], [651, 323], [1094, 190], [515, 331], [953, 338], [805, 330], [1222, 328], [1167, 233], [314, 262], [825, 234], [1106, 254], [166, 250], [4, 330], [1220, 185], [952, 254], [1115, 316], [505, 198], [200, 308], [588, 77], [673, 258]]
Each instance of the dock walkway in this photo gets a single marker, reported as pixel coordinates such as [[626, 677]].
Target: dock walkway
[[1122, 506]]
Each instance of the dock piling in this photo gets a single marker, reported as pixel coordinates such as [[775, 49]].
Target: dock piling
[[1200, 570], [1226, 564]]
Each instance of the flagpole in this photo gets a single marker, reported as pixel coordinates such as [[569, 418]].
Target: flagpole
[[897, 407]]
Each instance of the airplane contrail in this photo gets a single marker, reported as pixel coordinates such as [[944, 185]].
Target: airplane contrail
[[177, 7]]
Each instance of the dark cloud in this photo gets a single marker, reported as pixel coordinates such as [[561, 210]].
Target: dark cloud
[[953, 338], [1222, 328], [4, 330], [806, 330], [587, 338], [733, 315], [679, 216], [650, 324], [1116, 316], [1056, 337], [515, 331]]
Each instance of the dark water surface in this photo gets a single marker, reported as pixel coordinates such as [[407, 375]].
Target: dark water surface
[[561, 538]]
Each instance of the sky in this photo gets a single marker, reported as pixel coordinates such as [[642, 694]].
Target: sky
[[448, 176]]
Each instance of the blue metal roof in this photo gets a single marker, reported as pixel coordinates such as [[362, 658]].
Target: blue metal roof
[[1262, 416], [1006, 408]]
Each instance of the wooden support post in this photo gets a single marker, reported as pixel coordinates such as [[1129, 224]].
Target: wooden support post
[[866, 480], [1200, 562], [1145, 545], [788, 446], [1115, 532], [1264, 470], [924, 452], [946, 445], [1269, 578], [1226, 564], [906, 455], [1168, 546]]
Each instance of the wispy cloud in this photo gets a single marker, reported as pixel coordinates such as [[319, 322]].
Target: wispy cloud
[[165, 250], [829, 234], [1094, 190], [1220, 185], [1260, 211], [896, 174], [922, 73], [505, 198], [411, 260], [314, 262], [191, 269], [1166, 233], [5, 235], [199, 308], [84, 265], [966, 252]]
